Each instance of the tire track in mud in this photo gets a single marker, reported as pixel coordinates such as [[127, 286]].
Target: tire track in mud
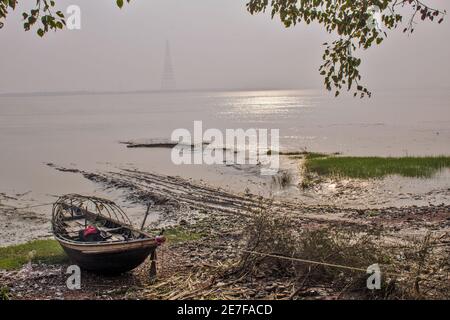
[[168, 190], [175, 198]]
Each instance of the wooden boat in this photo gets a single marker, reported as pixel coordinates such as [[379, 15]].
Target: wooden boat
[[118, 248]]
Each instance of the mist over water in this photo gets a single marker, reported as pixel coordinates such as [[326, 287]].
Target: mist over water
[[84, 131]]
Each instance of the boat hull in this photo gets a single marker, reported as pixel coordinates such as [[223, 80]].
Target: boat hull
[[109, 258]]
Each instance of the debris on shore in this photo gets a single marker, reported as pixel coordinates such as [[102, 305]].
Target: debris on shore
[[159, 143], [212, 251]]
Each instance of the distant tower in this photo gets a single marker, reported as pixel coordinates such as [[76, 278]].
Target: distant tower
[[168, 78]]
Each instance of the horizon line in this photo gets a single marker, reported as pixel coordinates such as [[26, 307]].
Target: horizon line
[[101, 92]]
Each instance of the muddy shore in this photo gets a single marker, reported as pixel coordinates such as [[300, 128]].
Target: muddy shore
[[196, 268], [24, 218]]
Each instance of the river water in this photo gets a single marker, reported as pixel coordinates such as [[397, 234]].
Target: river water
[[84, 130]]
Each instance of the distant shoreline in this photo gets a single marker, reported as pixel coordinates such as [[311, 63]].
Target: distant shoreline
[[106, 92], [156, 91]]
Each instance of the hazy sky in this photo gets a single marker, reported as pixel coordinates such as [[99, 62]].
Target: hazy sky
[[215, 44]]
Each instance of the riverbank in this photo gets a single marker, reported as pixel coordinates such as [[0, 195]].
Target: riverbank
[[208, 259], [212, 251]]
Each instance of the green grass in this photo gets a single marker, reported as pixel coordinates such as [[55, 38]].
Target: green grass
[[297, 153], [315, 155], [46, 251], [178, 234], [4, 293], [376, 167]]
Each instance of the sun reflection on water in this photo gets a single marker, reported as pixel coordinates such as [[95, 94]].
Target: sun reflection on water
[[267, 103]]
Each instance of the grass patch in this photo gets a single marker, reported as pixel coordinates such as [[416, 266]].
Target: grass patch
[[415, 270], [315, 155], [288, 153], [272, 234], [298, 154], [4, 293], [45, 251], [178, 235], [375, 167]]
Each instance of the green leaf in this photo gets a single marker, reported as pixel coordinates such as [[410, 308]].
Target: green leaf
[[119, 3]]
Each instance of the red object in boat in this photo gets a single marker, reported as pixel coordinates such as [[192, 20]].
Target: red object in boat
[[90, 230]]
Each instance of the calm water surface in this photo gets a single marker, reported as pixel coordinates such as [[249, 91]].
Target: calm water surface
[[84, 130]]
